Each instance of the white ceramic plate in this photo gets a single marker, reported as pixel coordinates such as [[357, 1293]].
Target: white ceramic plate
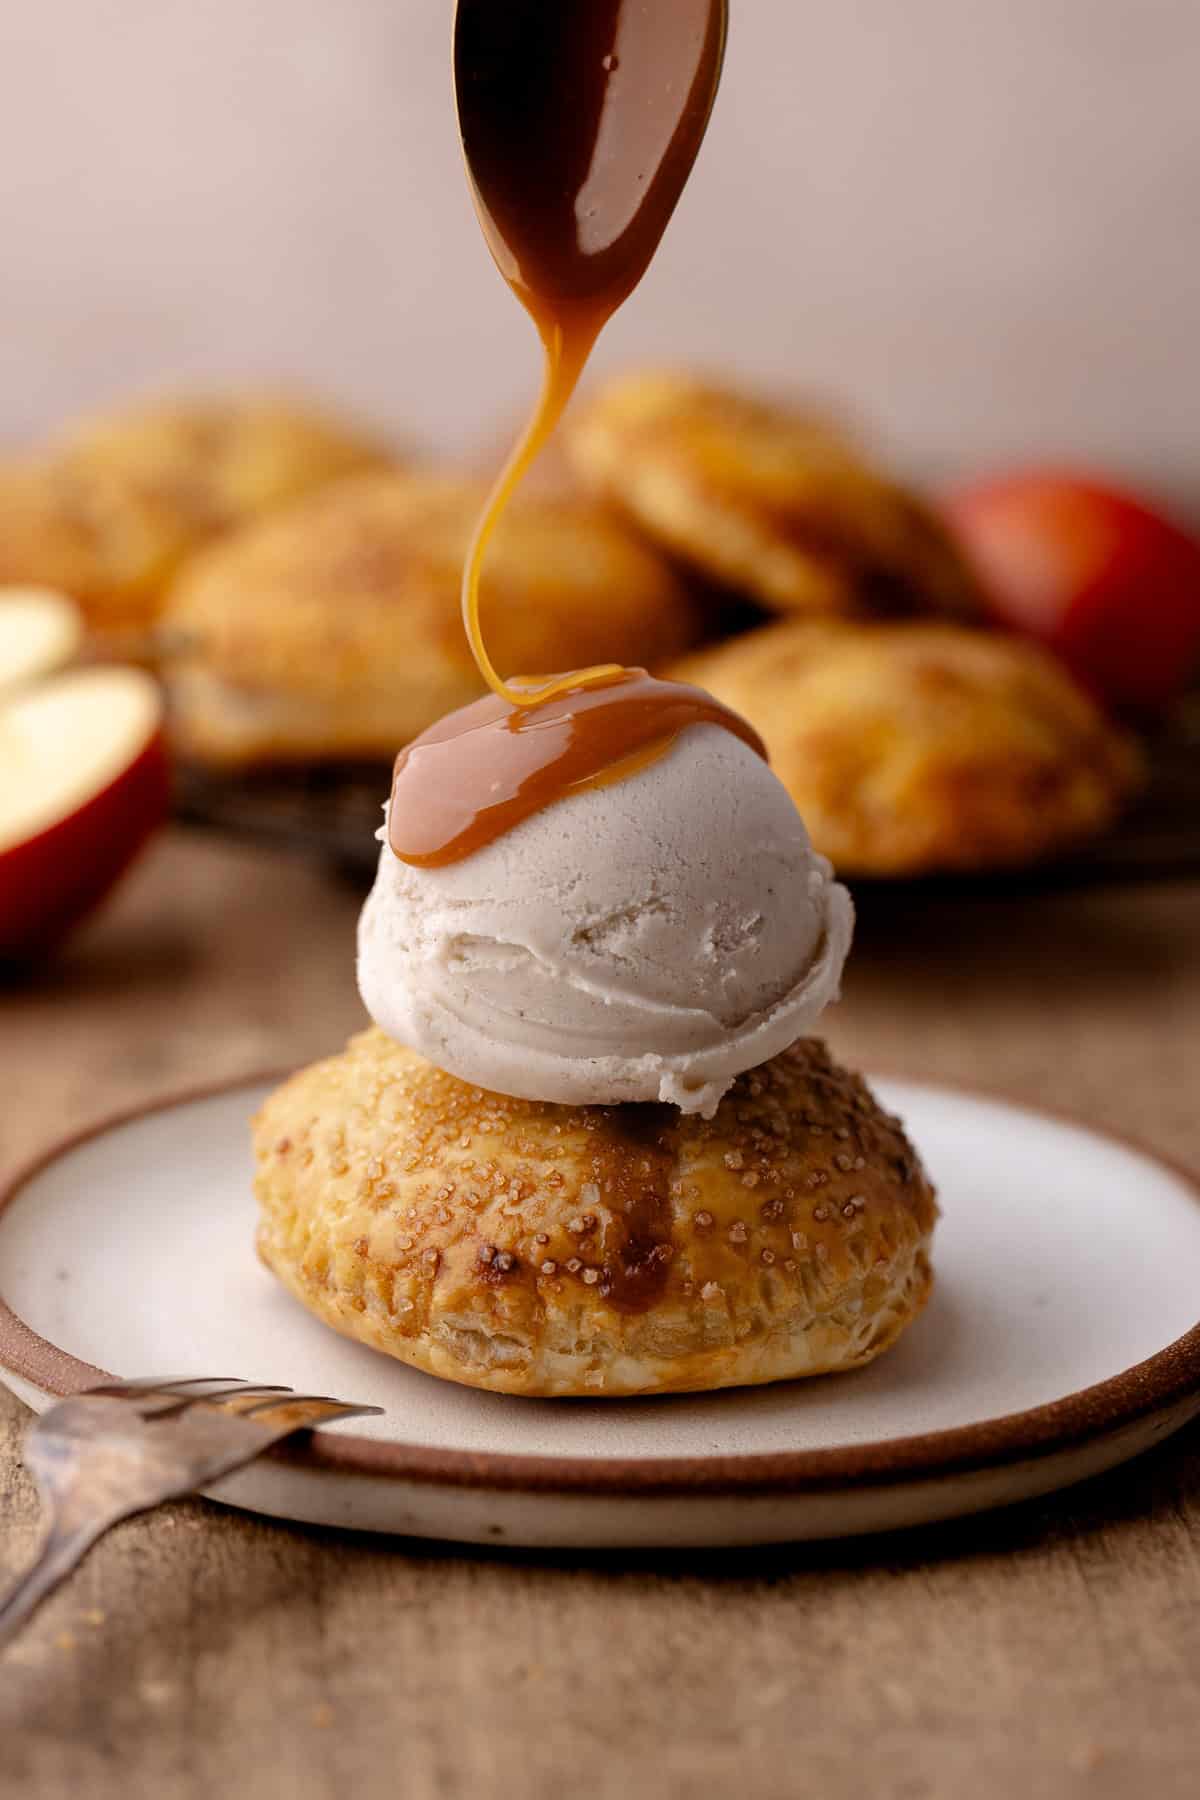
[[1062, 1338]]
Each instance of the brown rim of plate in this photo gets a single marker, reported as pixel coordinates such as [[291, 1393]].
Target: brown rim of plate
[[1165, 1381]]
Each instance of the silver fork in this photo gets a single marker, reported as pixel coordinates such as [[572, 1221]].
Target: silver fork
[[119, 1449]]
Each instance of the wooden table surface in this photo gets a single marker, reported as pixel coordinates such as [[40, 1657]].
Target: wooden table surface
[[1053, 1650]]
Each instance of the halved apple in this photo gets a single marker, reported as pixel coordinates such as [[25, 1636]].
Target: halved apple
[[40, 631], [83, 783]]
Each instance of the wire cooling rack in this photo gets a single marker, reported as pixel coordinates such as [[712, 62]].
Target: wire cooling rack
[[333, 814]]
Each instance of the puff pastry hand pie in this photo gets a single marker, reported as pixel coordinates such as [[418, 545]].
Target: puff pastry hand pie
[[111, 508], [912, 747], [333, 632], [776, 503], [539, 1249]]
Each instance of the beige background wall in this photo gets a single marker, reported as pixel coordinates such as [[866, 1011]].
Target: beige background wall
[[976, 219]]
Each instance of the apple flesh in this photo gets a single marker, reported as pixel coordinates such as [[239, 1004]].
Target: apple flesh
[[1094, 573], [84, 780], [40, 631]]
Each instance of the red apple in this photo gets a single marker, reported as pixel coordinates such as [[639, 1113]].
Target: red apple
[[1095, 574], [40, 631], [83, 782]]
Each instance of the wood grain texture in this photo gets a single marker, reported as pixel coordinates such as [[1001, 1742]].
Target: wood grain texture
[[1052, 1651]]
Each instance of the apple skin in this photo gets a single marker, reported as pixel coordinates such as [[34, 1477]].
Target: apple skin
[[50, 882], [1094, 573]]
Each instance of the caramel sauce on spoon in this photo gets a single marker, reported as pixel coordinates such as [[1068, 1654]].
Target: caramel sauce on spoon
[[580, 120]]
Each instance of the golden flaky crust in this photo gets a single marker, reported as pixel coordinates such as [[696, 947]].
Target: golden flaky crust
[[110, 510], [553, 1250], [334, 631], [777, 503], [914, 747]]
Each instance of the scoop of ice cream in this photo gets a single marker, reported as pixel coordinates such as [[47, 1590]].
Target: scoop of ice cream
[[648, 940]]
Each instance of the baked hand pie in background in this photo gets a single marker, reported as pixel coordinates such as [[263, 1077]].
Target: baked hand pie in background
[[778, 504], [333, 631], [111, 507], [920, 747]]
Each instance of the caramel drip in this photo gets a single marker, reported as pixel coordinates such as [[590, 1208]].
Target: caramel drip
[[476, 774], [633, 1169], [580, 121]]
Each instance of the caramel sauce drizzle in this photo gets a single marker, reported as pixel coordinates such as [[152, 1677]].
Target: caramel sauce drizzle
[[634, 1170], [581, 120], [480, 771]]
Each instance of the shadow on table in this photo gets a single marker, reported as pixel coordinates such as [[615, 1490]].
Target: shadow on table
[[1163, 1483], [1022, 945], [106, 962], [213, 1579]]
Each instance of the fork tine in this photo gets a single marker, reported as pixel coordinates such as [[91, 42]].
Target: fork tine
[[154, 1384], [334, 1415], [179, 1392], [235, 1392], [168, 1405], [343, 1407], [291, 1400]]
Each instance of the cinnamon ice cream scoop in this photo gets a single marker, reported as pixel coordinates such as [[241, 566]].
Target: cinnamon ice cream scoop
[[648, 940]]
